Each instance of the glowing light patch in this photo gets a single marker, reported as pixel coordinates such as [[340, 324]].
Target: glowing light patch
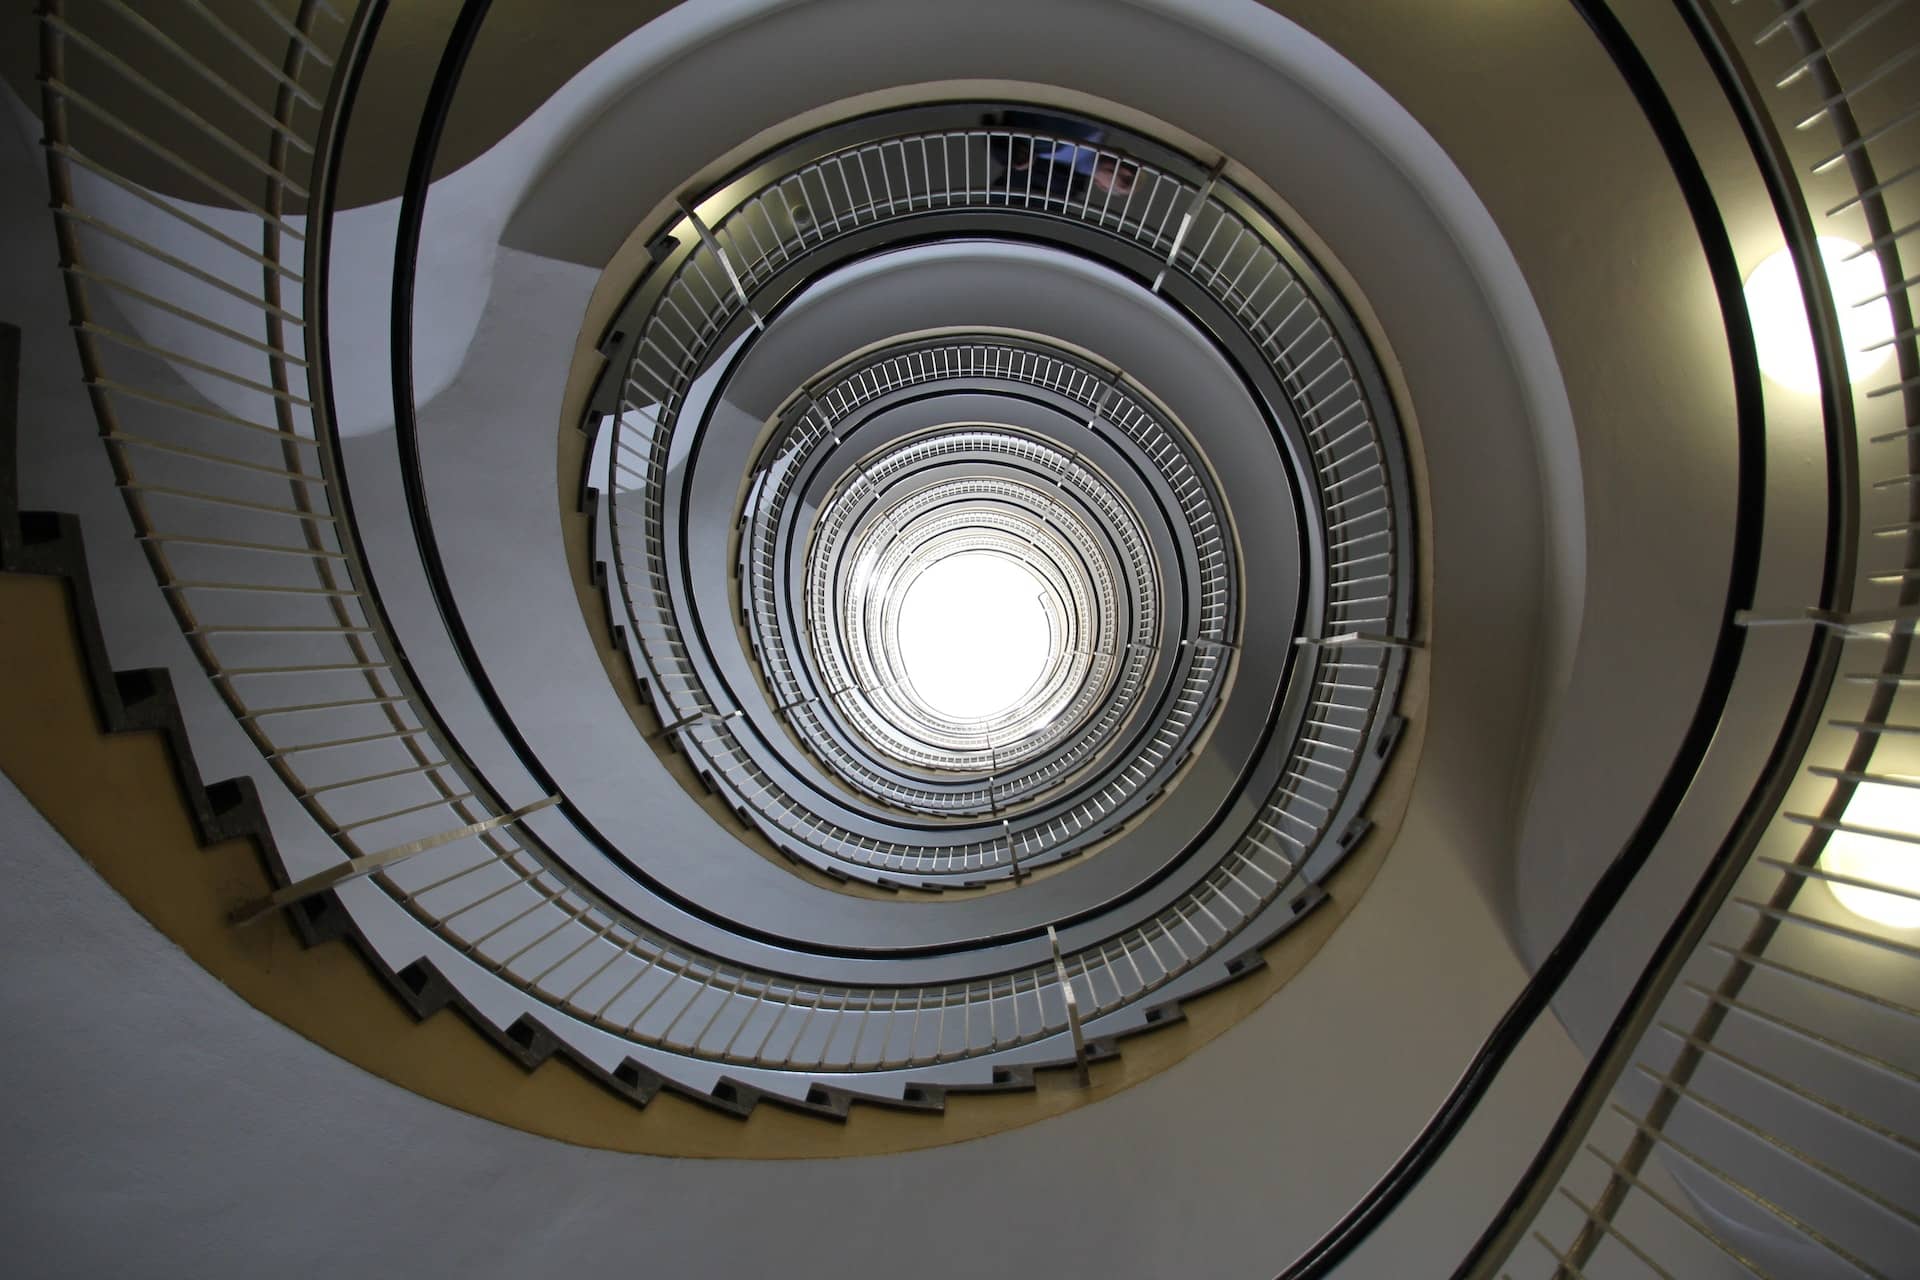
[[973, 635], [1780, 327], [1893, 863]]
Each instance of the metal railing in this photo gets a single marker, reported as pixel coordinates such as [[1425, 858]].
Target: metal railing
[[199, 304], [1781, 1032], [1094, 597], [1756, 1110], [732, 257], [814, 422]]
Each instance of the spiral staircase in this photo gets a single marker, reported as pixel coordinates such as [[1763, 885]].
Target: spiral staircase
[[478, 800]]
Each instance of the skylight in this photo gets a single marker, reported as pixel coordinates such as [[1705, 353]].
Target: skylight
[[973, 636]]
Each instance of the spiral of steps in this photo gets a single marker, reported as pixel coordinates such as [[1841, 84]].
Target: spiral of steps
[[528, 461]]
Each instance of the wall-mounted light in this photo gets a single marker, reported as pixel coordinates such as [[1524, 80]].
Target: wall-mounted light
[[1893, 863], [1780, 327]]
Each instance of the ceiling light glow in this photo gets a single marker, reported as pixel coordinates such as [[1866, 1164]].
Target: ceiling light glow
[[1893, 863], [1780, 327]]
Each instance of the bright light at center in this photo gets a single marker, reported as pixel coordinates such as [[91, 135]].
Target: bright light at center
[[973, 636], [1780, 327], [1876, 860]]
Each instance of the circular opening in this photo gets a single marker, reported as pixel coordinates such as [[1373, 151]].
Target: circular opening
[[973, 637]]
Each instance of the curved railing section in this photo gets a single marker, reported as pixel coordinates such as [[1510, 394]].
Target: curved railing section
[[986, 362], [1753, 1110], [1750, 1109], [205, 352], [853, 647], [739, 254]]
